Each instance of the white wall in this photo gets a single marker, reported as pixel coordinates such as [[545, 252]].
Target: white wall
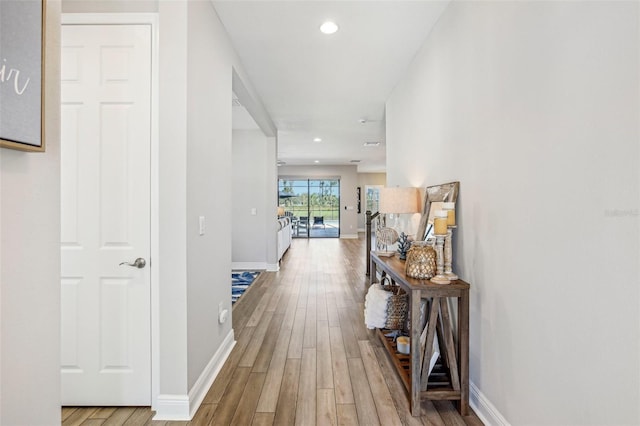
[[212, 67], [348, 183], [30, 263], [534, 107], [172, 357], [271, 178], [253, 156], [208, 169]]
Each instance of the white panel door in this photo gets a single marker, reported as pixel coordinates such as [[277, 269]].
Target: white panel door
[[106, 306]]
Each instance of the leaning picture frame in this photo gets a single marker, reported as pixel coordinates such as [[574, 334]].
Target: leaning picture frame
[[434, 196], [22, 71]]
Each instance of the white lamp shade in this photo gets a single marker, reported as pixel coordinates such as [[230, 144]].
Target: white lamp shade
[[399, 200]]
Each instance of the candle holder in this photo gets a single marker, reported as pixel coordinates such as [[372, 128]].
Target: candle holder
[[440, 278], [448, 254]]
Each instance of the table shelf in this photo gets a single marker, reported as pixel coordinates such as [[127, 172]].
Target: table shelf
[[439, 379], [449, 379]]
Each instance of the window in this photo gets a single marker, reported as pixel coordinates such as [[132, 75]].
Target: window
[[372, 197], [313, 204]]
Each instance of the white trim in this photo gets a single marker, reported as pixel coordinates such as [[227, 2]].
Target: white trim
[[349, 236], [184, 407], [273, 267], [172, 407], [132, 18], [209, 374], [484, 409], [249, 266], [154, 266]]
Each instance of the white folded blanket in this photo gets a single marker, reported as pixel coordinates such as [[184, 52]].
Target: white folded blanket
[[375, 306]]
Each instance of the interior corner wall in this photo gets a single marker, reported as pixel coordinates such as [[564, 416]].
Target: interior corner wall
[[534, 108], [348, 183], [172, 336], [30, 262], [249, 206], [271, 199], [210, 62]]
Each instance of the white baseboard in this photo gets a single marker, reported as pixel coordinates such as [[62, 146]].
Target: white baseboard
[[172, 407], [204, 382], [249, 266], [361, 230], [484, 409], [184, 407], [273, 267], [349, 236]]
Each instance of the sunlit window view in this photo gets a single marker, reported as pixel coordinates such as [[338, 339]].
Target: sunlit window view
[[372, 193], [313, 205]]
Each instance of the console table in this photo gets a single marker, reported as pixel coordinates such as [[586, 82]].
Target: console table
[[450, 378]]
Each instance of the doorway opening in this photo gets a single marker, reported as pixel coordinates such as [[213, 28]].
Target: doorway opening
[[313, 205]]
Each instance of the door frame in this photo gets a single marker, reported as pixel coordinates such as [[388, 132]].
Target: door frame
[[150, 19]]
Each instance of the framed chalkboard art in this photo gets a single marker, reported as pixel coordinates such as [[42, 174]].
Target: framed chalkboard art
[[22, 30]]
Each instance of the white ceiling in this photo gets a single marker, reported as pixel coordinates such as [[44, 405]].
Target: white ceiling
[[316, 85]]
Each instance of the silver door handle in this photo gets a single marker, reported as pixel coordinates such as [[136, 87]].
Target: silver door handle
[[138, 263]]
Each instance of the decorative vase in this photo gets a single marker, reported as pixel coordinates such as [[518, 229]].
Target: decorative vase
[[404, 243], [421, 261]]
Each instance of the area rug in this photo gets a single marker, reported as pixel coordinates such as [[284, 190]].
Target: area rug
[[240, 282]]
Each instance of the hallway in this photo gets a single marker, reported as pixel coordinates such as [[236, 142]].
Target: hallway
[[303, 355]]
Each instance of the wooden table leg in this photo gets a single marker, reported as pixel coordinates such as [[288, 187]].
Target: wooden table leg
[[415, 352], [463, 348], [447, 346], [431, 333]]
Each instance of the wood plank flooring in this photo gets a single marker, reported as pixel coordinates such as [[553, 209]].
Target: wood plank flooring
[[303, 355]]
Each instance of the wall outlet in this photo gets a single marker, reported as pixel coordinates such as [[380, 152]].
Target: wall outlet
[[223, 313]]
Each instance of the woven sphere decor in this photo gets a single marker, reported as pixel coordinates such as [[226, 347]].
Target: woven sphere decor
[[386, 236], [421, 261]]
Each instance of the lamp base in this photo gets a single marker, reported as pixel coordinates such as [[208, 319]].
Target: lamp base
[[451, 276], [440, 279]]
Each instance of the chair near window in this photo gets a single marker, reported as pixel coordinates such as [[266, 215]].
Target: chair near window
[[318, 220], [303, 225]]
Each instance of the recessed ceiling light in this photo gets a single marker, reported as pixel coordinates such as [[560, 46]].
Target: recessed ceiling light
[[328, 27], [371, 143], [354, 161], [316, 161], [317, 139]]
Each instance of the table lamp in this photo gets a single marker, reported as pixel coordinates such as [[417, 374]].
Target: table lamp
[[398, 201]]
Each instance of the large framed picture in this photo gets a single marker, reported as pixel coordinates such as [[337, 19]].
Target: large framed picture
[[22, 33]]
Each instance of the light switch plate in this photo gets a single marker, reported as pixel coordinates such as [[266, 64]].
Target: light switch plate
[[201, 225]]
